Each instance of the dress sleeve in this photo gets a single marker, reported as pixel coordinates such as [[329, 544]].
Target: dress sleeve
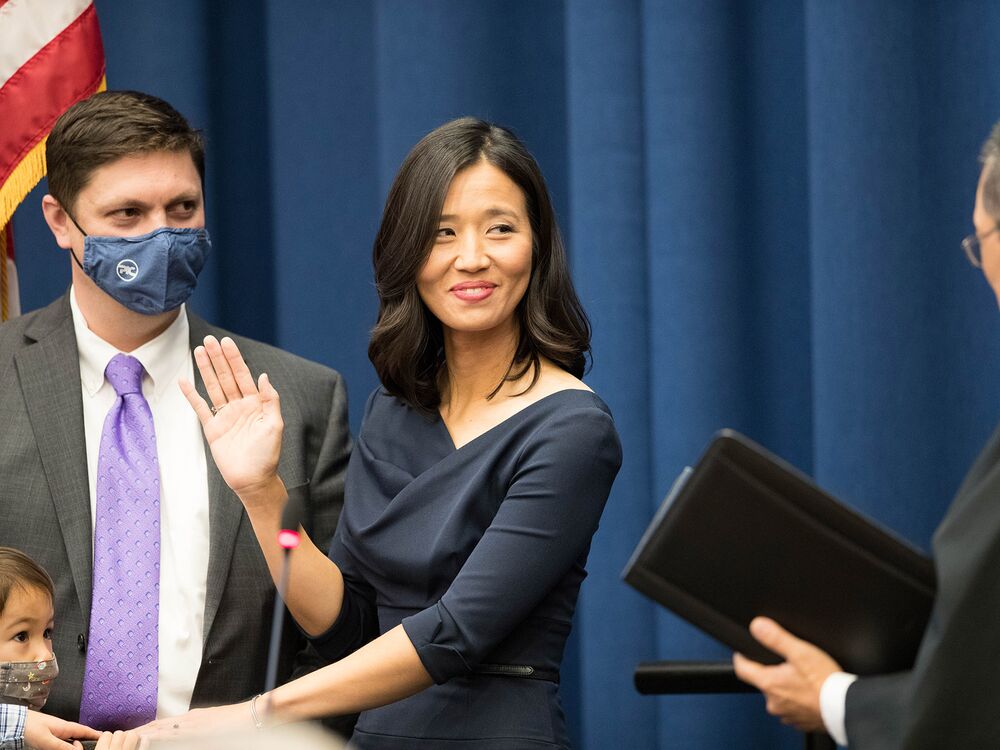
[[543, 526], [357, 623]]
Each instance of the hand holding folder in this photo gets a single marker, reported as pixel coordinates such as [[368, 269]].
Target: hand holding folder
[[744, 534]]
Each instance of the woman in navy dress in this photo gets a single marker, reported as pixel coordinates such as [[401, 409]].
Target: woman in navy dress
[[478, 479]]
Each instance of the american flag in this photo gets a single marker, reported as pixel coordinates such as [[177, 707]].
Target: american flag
[[51, 57]]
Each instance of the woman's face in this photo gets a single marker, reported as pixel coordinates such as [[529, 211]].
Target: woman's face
[[479, 267]]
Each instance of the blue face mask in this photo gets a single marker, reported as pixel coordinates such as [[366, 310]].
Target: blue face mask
[[151, 273]]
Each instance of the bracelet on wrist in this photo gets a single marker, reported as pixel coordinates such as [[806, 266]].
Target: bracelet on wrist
[[258, 722]]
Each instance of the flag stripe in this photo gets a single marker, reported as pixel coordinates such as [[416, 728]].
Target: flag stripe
[[28, 25], [6, 248], [68, 69], [13, 290]]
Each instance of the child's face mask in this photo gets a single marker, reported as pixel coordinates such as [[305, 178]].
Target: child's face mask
[[27, 682]]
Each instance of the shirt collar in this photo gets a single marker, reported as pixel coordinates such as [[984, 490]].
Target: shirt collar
[[162, 357]]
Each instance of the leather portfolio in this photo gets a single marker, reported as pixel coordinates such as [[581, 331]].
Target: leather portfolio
[[744, 534]]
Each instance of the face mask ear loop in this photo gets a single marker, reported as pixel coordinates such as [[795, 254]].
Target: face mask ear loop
[[71, 252]]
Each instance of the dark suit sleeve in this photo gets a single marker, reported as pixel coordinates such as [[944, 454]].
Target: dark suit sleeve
[[876, 707], [953, 700], [543, 527], [949, 699]]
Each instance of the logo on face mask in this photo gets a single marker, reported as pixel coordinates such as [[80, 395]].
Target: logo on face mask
[[127, 269]]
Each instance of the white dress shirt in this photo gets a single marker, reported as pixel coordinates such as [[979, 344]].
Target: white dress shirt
[[833, 704], [184, 532]]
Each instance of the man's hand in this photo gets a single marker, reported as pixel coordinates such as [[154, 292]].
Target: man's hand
[[44, 732], [792, 688]]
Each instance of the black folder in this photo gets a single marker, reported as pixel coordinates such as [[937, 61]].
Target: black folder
[[744, 534]]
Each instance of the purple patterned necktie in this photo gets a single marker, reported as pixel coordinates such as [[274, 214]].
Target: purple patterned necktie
[[119, 687]]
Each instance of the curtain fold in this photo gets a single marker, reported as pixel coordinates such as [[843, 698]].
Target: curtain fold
[[762, 203], [607, 240]]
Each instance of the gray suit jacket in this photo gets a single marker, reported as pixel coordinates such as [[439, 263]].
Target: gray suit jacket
[[951, 697], [45, 500]]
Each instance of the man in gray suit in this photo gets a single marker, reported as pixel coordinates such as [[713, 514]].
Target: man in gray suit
[[949, 698], [126, 202]]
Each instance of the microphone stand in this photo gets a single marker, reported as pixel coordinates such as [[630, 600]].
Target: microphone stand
[[292, 518]]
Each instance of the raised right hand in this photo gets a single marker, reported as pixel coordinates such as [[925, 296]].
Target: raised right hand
[[243, 426]]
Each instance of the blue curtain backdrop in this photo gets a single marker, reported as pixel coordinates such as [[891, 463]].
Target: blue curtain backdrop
[[762, 201]]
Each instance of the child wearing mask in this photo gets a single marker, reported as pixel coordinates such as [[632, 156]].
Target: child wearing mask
[[27, 663]]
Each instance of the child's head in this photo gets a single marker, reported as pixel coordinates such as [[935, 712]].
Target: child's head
[[27, 663]]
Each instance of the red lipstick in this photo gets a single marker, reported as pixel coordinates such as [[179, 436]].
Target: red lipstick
[[473, 291]]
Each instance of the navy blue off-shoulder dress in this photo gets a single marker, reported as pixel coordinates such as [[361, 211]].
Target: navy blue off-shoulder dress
[[479, 552]]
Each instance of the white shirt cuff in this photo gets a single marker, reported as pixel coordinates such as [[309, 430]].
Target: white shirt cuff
[[833, 704]]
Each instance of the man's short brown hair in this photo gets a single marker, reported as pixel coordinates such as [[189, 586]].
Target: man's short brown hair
[[18, 571], [108, 126]]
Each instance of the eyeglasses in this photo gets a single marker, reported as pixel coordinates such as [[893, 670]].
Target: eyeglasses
[[973, 249]]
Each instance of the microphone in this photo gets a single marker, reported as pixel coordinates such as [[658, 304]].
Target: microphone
[[292, 517], [288, 537]]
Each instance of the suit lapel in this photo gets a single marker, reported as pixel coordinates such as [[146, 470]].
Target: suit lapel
[[225, 512], [49, 374]]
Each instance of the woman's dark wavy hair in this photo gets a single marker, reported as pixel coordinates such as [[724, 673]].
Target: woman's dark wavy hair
[[407, 345]]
